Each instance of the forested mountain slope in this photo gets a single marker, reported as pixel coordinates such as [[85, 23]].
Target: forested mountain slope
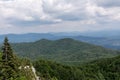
[[65, 50]]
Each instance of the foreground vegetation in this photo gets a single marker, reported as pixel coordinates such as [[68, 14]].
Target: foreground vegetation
[[103, 69], [12, 67]]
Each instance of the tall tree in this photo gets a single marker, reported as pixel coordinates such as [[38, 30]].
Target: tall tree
[[9, 62], [7, 51]]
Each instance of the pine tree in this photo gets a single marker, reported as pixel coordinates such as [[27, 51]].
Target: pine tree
[[9, 63]]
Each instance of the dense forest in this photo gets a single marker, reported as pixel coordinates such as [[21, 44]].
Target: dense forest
[[64, 50], [13, 67], [103, 69]]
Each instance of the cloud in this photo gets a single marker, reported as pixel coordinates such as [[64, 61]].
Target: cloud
[[49, 14], [108, 3], [65, 9], [106, 13]]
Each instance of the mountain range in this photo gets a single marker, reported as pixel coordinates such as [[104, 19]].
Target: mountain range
[[62, 50], [99, 66], [107, 41]]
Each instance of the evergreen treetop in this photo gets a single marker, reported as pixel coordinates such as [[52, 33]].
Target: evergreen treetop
[[9, 62]]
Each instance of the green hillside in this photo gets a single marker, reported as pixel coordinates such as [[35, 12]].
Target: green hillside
[[64, 50], [103, 69]]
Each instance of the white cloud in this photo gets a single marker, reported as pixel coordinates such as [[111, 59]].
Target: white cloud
[[109, 13], [63, 13]]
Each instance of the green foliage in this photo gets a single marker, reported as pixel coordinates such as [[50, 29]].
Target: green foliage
[[0, 56], [26, 69], [19, 78], [64, 50], [10, 64], [103, 69]]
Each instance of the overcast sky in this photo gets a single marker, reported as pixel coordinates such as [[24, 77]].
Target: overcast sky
[[26, 16]]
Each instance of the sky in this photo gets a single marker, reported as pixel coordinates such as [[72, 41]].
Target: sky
[[43, 16]]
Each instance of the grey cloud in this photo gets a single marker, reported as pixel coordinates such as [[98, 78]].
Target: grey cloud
[[72, 17], [108, 3], [75, 10], [23, 23]]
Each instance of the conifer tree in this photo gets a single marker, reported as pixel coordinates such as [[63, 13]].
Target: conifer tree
[[9, 63]]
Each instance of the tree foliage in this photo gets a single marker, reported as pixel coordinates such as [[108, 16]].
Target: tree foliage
[[10, 65], [103, 69]]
